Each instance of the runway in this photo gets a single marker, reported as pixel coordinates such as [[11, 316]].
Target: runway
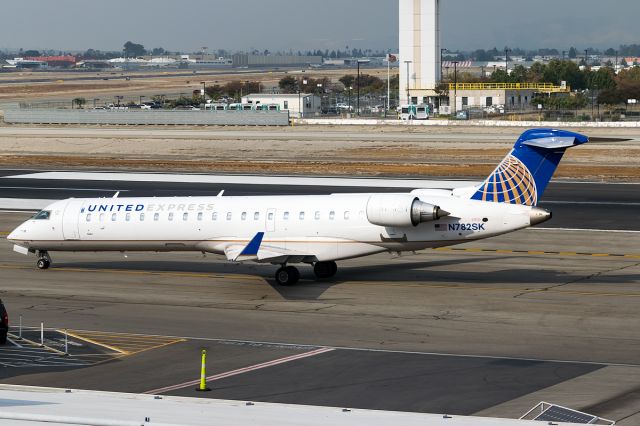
[[575, 205], [492, 327]]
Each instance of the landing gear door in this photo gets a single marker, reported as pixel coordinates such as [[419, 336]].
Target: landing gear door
[[271, 220], [70, 219]]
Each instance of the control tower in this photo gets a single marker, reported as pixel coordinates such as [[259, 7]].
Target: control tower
[[419, 53]]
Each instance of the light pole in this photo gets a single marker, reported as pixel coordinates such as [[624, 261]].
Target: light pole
[[204, 93], [358, 83], [141, 99], [455, 87], [408, 94], [350, 88], [441, 55], [506, 60]]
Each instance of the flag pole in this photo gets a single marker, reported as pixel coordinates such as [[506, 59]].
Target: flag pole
[[388, 84]]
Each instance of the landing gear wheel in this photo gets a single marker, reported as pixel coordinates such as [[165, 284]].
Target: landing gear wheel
[[325, 269], [287, 275], [43, 263]]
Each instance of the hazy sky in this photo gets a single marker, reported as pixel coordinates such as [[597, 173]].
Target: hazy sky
[[328, 24]]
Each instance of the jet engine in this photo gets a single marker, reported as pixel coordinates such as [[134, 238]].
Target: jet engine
[[401, 210]]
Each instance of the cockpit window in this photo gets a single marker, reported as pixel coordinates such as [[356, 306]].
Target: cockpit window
[[42, 215]]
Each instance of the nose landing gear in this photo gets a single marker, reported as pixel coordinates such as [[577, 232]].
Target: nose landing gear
[[44, 260]]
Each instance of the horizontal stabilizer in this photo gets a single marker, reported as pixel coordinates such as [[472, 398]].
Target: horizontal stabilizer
[[553, 142]]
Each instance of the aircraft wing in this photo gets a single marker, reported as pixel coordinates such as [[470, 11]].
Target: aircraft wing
[[255, 251]]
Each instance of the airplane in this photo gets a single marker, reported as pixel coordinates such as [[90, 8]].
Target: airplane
[[310, 229]]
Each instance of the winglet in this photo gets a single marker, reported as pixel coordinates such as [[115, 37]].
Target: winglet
[[254, 245]]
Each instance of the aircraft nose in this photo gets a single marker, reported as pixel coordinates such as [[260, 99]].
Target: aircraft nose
[[538, 216], [12, 235]]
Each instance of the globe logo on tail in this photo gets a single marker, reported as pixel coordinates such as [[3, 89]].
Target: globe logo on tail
[[511, 183]]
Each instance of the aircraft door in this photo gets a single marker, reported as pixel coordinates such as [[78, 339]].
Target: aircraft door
[[70, 220], [270, 219]]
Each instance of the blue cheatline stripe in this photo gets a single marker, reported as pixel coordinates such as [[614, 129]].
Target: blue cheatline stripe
[[254, 245]]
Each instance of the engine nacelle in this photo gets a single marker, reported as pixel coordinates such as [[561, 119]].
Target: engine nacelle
[[401, 210]]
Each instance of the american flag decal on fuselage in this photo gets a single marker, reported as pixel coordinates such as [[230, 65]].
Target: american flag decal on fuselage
[[511, 183]]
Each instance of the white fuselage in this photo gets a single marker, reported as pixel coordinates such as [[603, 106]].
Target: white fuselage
[[320, 228]]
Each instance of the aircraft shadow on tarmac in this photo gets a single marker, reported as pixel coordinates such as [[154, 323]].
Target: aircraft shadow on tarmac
[[309, 288]]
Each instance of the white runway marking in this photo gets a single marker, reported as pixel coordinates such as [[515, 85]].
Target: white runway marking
[[64, 189], [595, 203], [241, 370], [248, 179], [392, 351], [615, 231], [24, 204]]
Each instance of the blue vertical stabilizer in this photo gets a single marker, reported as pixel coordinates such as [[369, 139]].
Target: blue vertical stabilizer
[[525, 172]]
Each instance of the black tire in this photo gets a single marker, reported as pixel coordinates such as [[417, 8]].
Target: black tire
[[334, 269], [287, 276], [282, 276], [325, 269], [295, 275], [43, 263]]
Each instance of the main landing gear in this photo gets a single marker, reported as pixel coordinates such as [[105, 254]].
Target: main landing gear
[[325, 269], [289, 275], [44, 260]]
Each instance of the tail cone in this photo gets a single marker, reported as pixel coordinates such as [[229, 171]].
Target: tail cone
[[538, 216]]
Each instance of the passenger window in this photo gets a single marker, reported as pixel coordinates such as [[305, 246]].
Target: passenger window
[[301, 216], [270, 216], [346, 215], [88, 217], [101, 217], [156, 216], [43, 215], [200, 216], [286, 216], [332, 215], [127, 217], [228, 215], [317, 215], [171, 216], [256, 216], [114, 216], [214, 216], [141, 217], [185, 216], [243, 216]]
